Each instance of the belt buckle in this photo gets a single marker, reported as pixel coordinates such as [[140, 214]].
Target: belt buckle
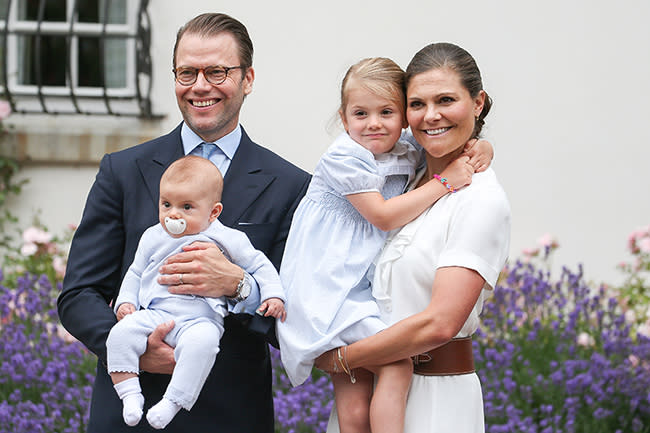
[[422, 358]]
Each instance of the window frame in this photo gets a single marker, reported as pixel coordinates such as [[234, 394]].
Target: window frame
[[131, 99]]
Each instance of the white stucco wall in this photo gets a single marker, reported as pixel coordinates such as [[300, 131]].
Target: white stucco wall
[[569, 80]]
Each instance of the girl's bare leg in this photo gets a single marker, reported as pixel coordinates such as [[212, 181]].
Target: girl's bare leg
[[353, 401], [388, 405]]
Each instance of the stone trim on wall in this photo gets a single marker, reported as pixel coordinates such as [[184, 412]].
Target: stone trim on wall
[[72, 140], [38, 148]]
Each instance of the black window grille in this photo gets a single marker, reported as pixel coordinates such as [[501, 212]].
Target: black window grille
[[76, 56]]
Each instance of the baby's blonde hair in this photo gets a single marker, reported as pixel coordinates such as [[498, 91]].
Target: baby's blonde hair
[[192, 167], [379, 75]]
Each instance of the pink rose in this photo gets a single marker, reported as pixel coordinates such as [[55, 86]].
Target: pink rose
[[36, 236], [644, 245], [59, 266], [546, 240], [641, 232], [644, 329], [585, 340], [28, 249], [630, 316], [5, 109], [531, 252]]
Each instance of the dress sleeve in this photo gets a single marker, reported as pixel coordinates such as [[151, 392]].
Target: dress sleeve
[[479, 233], [348, 168]]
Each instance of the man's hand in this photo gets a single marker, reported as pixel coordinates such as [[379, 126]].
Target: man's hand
[[201, 269], [159, 356]]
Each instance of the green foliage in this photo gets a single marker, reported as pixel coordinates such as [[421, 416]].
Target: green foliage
[[8, 187]]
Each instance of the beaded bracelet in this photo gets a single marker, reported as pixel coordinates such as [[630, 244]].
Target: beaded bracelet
[[443, 180]]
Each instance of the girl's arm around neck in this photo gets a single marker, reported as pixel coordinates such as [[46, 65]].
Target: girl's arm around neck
[[397, 211]]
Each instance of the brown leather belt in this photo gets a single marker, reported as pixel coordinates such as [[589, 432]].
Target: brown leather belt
[[454, 357]]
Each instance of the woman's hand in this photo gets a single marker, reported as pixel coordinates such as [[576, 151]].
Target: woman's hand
[[201, 269], [480, 154], [124, 310], [459, 172]]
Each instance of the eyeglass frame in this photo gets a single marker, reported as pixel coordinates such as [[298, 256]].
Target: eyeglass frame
[[202, 70]]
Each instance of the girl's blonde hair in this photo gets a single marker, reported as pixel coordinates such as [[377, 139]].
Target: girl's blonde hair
[[380, 76]]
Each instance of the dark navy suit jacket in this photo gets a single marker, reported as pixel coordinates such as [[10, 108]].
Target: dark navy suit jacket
[[261, 192]]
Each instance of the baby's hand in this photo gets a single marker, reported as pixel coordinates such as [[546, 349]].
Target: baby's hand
[[124, 309], [480, 154], [273, 307], [459, 172]]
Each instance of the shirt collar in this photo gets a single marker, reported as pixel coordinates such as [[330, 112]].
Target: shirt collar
[[228, 143]]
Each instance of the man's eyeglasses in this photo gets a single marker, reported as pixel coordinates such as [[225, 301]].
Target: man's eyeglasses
[[186, 75]]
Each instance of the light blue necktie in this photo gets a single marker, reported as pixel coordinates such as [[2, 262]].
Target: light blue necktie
[[212, 152]]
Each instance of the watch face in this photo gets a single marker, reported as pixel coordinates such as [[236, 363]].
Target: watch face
[[246, 288]]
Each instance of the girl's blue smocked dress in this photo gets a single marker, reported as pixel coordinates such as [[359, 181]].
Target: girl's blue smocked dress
[[330, 249]]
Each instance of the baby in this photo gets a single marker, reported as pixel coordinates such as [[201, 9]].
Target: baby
[[190, 194]]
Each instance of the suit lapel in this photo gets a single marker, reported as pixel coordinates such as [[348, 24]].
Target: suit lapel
[[244, 181], [168, 149], [243, 184]]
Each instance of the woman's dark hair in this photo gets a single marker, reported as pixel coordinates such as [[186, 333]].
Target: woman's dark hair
[[446, 55]]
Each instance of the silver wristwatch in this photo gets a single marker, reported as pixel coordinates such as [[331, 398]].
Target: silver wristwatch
[[243, 290]]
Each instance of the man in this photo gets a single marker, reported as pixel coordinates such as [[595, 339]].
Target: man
[[214, 73]]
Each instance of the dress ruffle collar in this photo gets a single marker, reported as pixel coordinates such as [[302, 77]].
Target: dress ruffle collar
[[392, 251]]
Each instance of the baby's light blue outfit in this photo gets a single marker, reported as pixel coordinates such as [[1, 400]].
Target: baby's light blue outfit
[[329, 250], [198, 320]]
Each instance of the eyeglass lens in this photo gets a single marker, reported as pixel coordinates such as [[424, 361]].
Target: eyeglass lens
[[213, 74]]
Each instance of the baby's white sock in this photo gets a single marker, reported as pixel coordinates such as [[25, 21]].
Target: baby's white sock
[[130, 393], [162, 413]]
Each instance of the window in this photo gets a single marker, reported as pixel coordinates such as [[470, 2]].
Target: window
[[76, 56]]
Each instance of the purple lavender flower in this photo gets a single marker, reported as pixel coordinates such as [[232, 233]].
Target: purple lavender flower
[[305, 408], [44, 381], [535, 374]]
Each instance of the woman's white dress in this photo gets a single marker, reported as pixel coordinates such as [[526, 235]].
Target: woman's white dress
[[470, 229], [330, 248]]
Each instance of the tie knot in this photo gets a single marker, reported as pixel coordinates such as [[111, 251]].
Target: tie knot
[[207, 149]]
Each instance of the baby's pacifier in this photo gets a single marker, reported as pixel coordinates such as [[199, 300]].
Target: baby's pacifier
[[175, 226]]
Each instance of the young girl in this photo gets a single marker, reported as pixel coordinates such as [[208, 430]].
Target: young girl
[[339, 227]]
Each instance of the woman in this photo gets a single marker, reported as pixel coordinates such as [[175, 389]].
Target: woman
[[434, 274]]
